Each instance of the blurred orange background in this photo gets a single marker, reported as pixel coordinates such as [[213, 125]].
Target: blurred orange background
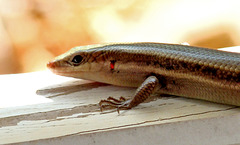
[[32, 32]]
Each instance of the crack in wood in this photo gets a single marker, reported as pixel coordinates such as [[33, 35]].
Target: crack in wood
[[51, 115], [55, 91], [151, 121]]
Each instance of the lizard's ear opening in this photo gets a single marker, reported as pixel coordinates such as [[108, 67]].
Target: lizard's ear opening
[[77, 59]]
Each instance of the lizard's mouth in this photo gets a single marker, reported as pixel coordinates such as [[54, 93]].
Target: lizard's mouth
[[62, 71]]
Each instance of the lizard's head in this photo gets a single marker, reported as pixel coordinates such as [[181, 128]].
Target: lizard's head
[[80, 62]]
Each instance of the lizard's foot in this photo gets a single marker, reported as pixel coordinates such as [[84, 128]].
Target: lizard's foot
[[121, 103], [148, 87]]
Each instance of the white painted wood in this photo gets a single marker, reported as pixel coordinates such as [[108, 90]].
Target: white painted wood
[[42, 108], [231, 49]]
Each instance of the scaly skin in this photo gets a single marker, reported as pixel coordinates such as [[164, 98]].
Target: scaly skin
[[173, 69]]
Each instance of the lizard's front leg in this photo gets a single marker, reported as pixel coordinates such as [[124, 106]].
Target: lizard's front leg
[[148, 87]]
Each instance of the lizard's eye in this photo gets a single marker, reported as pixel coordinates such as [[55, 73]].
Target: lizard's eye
[[77, 59]]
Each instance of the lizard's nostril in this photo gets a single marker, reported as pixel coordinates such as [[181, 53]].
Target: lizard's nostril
[[51, 65]]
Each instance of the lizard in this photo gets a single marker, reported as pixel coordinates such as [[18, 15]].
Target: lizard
[[174, 69]]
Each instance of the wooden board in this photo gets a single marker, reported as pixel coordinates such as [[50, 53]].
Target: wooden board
[[42, 108]]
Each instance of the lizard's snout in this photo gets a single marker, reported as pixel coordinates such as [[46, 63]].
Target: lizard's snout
[[51, 65]]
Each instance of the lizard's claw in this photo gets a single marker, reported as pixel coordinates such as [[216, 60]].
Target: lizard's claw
[[121, 103]]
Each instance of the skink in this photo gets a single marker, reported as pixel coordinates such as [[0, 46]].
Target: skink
[[173, 69]]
